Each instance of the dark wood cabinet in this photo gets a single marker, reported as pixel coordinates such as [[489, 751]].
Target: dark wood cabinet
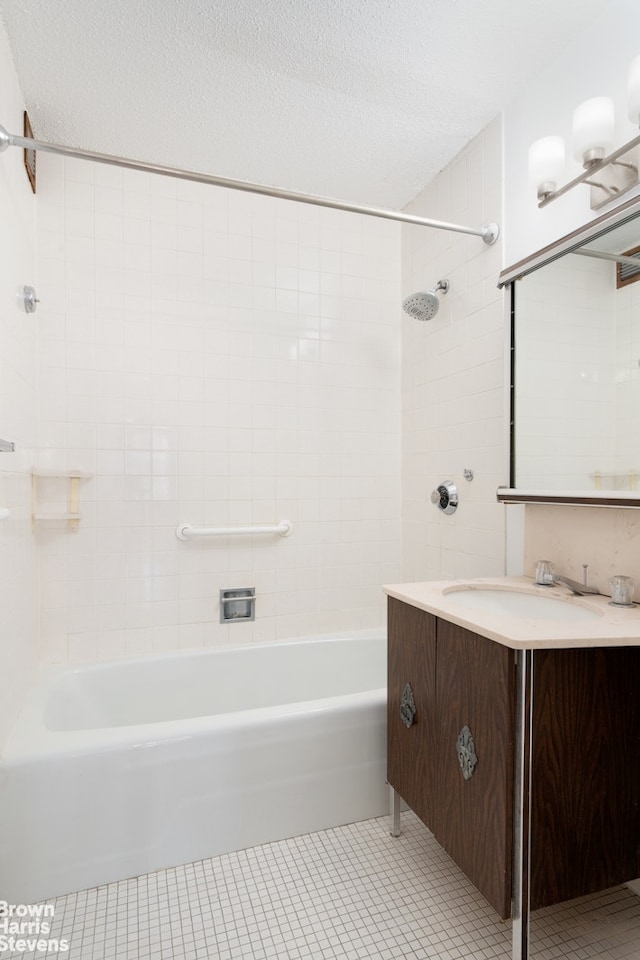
[[585, 785], [475, 689], [411, 751], [458, 680], [584, 774]]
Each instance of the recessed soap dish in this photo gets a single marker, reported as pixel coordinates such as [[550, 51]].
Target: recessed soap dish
[[237, 604]]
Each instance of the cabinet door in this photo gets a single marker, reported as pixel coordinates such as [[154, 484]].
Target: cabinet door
[[585, 805], [476, 690], [411, 750]]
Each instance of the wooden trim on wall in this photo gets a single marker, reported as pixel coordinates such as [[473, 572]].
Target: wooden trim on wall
[[621, 279], [29, 155]]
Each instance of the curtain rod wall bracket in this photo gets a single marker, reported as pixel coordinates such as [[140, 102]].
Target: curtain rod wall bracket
[[488, 233]]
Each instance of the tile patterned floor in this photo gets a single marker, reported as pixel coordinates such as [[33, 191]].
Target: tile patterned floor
[[350, 893]]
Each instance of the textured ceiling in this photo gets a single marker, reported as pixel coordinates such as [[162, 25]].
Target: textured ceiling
[[364, 100]]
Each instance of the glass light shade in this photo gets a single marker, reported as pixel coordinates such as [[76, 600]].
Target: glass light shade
[[634, 91], [593, 128], [546, 163]]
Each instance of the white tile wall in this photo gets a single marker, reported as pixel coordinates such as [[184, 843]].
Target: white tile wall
[[213, 357], [18, 412], [453, 375], [216, 358]]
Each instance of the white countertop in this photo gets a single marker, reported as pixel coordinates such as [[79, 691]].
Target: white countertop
[[612, 627]]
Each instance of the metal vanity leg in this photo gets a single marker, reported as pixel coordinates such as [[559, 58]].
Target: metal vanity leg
[[521, 903], [394, 812]]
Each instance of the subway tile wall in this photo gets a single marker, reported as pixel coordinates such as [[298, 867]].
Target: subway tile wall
[[453, 374], [18, 413], [217, 358]]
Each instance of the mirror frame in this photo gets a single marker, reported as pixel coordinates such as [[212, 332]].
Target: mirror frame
[[595, 228]]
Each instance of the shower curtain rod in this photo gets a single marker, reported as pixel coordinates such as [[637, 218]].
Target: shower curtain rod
[[489, 232]]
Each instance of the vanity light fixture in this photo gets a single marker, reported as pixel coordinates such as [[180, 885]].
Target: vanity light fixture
[[608, 173]]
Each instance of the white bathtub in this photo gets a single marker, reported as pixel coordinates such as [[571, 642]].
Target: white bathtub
[[121, 768]]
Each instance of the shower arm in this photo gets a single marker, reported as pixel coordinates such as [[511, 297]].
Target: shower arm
[[489, 232]]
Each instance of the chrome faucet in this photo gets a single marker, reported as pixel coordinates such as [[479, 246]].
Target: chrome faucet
[[545, 577], [580, 589]]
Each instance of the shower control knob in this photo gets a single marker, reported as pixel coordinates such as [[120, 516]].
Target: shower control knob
[[446, 497]]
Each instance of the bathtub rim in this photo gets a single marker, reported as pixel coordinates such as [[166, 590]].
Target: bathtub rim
[[32, 740]]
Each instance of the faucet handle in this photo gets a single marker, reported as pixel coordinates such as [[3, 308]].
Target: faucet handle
[[544, 573]]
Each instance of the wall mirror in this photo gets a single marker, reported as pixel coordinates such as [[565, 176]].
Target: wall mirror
[[575, 309]]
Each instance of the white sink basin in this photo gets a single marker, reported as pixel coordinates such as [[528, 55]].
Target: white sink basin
[[514, 603]]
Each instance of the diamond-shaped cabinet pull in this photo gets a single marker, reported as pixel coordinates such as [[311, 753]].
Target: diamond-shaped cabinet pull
[[466, 750], [407, 706]]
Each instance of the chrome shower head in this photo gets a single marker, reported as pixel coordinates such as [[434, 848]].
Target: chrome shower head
[[424, 305]]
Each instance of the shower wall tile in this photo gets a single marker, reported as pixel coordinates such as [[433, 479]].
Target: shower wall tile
[[453, 375], [18, 412], [219, 359]]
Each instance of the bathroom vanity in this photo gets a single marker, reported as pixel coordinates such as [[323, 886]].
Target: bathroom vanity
[[514, 734]]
